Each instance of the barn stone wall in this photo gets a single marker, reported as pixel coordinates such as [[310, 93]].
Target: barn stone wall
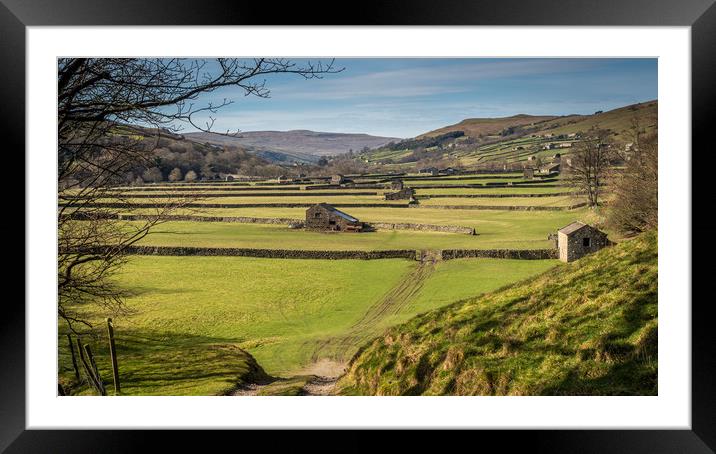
[[403, 194], [571, 247]]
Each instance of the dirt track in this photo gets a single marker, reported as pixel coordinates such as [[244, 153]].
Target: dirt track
[[330, 356]]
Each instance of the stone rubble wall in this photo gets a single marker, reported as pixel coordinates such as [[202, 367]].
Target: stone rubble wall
[[229, 205], [538, 184], [264, 253], [446, 254], [519, 254], [423, 227], [492, 196], [220, 194], [503, 207]]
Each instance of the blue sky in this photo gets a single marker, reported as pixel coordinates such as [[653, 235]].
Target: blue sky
[[405, 97]]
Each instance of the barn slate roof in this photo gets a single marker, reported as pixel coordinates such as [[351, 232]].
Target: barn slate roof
[[573, 227], [338, 212]]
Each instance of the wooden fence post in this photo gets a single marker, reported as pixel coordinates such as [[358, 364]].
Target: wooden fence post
[[95, 370], [113, 355], [74, 360], [91, 380]]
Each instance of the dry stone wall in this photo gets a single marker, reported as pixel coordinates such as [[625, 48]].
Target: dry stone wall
[[264, 253], [221, 194], [502, 207], [491, 196], [230, 205], [423, 227], [519, 254]]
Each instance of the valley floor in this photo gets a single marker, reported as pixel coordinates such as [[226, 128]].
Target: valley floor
[[296, 317]]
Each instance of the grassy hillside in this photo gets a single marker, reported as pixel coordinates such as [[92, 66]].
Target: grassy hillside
[[514, 139], [586, 328], [618, 120], [474, 127]]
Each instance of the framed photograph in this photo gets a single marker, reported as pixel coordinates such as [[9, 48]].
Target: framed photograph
[[408, 218]]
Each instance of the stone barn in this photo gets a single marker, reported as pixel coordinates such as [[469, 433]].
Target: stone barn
[[528, 173], [396, 185], [283, 179], [551, 168], [338, 179], [403, 194], [325, 217], [429, 170], [579, 239]]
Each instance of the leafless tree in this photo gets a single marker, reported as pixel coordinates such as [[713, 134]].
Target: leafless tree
[[112, 113], [590, 161], [635, 207]]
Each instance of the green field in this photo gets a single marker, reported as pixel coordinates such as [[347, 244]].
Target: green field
[[559, 201], [500, 223], [495, 230], [525, 189], [187, 318]]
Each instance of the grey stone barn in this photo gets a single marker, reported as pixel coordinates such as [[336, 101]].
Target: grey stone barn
[[396, 185], [403, 194], [551, 168], [325, 217], [338, 179], [579, 239]]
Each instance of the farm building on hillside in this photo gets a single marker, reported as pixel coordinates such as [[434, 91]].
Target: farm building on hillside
[[396, 185], [429, 170], [403, 194], [325, 217], [338, 179], [579, 239], [283, 179], [528, 173]]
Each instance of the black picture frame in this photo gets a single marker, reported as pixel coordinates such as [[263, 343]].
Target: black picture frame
[[700, 15]]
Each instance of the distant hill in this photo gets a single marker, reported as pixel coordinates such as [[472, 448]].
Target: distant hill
[[584, 328], [509, 140], [294, 146], [476, 127]]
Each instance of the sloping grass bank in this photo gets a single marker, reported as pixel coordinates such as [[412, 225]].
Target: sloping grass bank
[[586, 328]]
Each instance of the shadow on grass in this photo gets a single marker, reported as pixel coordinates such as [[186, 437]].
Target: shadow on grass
[[161, 363]]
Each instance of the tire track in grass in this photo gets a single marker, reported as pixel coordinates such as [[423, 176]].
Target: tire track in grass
[[338, 348]]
